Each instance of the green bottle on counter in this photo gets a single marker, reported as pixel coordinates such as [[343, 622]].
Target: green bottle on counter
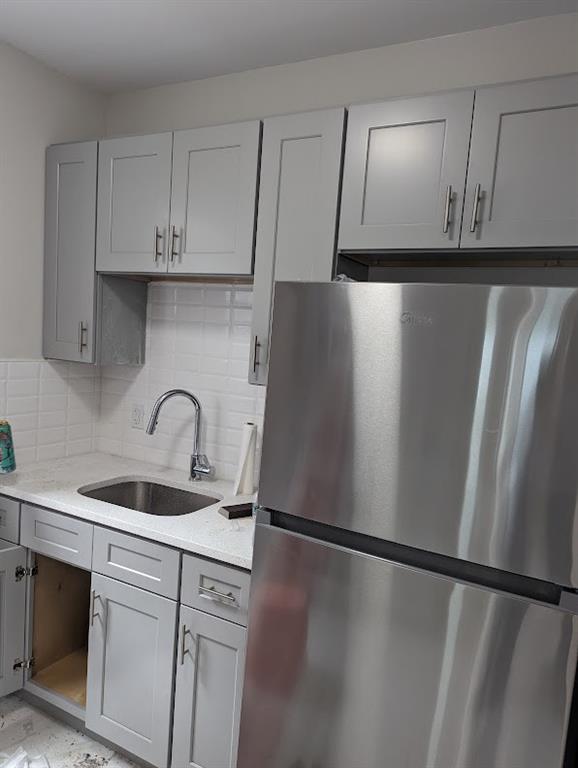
[[7, 457]]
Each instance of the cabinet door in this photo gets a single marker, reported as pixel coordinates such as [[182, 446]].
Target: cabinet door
[[213, 199], [404, 175], [131, 668], [298, 202], [69, 276], [134, 189], [210, 669], [522, 187], [12, 617]]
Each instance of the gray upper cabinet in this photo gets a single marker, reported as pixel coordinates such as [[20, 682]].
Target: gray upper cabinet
[[131, 668], [404, 174], [12, 617], [522, 186], [69, 277], [213, 199], [298, 207], [210, 671], [134, 189]]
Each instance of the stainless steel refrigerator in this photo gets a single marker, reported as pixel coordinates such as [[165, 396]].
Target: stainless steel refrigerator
[[414, 599]]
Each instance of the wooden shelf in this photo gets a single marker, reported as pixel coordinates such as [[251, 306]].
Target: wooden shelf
[[67, 676]]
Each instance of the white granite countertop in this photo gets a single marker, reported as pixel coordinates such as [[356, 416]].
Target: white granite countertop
[[55, 484]]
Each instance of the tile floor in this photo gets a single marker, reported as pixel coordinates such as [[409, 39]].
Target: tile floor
[[22, 725]]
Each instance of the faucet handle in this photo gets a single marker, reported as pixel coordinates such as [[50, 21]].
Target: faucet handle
[[200, 467]]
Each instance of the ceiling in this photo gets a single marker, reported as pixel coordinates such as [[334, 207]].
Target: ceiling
[[121, 44]]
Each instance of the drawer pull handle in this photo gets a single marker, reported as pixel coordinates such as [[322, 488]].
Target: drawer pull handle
[[210, 593]]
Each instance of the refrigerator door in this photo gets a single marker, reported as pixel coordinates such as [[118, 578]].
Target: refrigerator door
[[440, 417], [356, 662]]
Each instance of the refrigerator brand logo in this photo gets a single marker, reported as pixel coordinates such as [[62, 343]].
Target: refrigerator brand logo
[[411, 318]]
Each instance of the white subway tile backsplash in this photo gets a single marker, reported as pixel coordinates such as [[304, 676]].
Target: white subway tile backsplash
[[198, 339], [42, 399]]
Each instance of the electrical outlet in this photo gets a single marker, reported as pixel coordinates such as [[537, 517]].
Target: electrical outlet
[[137, 416]]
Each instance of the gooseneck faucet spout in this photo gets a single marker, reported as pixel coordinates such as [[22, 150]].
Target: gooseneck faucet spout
[[200, 467]]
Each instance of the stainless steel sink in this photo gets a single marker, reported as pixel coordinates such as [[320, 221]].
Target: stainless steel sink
[[150, 497]]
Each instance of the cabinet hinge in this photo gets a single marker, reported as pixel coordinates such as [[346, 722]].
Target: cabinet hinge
[[24, 663], [21, 572]]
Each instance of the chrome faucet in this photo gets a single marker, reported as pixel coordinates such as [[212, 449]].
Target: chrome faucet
[[200, 467]]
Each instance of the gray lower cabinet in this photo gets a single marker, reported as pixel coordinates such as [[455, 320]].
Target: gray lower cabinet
[[12, 616], [131, 668], [210, 670], [297, 220], [9, 519], [69, 276], [522, 189], [404, 172], [139, 684]]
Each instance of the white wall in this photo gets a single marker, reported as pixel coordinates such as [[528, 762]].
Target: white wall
[[529, 49], [37, 107]]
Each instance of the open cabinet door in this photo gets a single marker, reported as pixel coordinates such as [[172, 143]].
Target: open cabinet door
[[12, 616]]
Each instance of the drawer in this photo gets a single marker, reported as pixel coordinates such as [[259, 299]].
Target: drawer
[[58, 536], [215, 588], [135, 561], [9, 519]]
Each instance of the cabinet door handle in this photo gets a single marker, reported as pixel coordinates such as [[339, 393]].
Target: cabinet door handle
[[172, 252], [158, 236], [475, 208], [93, 599], [211, 593], [448, 209], [82, 331], [183, 647], [256, 346], [93, 614]]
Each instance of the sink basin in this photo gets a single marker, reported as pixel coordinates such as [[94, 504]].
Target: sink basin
[[149, 497]]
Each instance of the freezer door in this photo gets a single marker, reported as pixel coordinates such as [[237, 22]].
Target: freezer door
[[440, 417], [355, 662]]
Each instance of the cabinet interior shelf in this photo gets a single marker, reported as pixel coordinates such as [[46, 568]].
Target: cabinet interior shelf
[[67, 676]]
